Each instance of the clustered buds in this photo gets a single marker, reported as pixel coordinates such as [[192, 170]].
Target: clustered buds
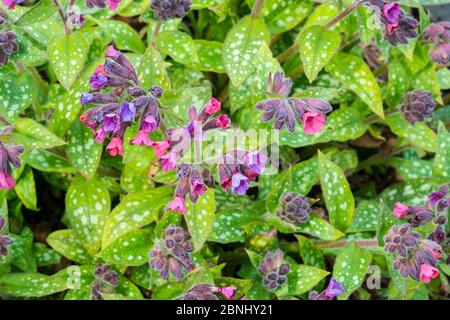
[[294, 208], [414, 257], [286, 111], [398, 26], [333, 290], [171, 253], [206, 292], [105, 281], [112, 4], [8, 42], [111, 118], [439, 35], [169, 9], [5, 241], [9, 155], [418, 105], [11, 4], [273, 270]]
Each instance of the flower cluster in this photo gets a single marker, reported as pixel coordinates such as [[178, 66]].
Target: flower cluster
[[112, 4], [169, 9], [398, 26], [11, 4], [273, 270], [206, 292], [105, 281], [333, 290], [414, 257], [418, 105], [110, 116], [9, 155], [5, 241], [294, 209], [434, 210], [439, 35], [8, 42], [287, 110], [171, 253]]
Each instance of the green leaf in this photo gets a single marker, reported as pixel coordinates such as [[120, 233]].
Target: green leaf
[[302, 278], [88, 205], [427, 80], [133, 212], [178, 45], [44, 256], [443, 76], [310, 255], [227, 226], [130, 249], [282, 16], [26, 189], [366, 216], [67, 55], [356, 76], [442, 158], [209, 56], [412, 168], [33, 135], [152, 70], [350, 268], [253, 88], [366, 28], [418, 134], [123, 35], [16, 93], [21, 251], [40, 12], [342, 125], [135, 175], [398, 82], [199, 218], [321, 15], [68, 244], [31, 284], [317, 47], [47, 161], [82, 150], [241, 44], [337, 193]]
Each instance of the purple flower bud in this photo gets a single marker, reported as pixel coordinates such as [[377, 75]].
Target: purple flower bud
[[239, 184], [294, 208], [111, 122], [437, 32], [156, 92], [418, 106], [273, 270], [170, 9], [8, 45], [99, 79], [441, 53], [127, 112], [400, 239], [334, 289], [434, 197], [279, 85]]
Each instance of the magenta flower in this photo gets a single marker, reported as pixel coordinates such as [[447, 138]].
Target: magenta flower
[[99, 79], [111, 122], [313, 122], [141, 139], [115, 147], [213, 106], [6, 181], [160, 147], [197, 188], [427, 273], [222, 121], [11, 4], [100, 135], [400, 210], [9, 155], [239, 184], [178, 204], [227, 292], [392, 12], [149, 124], [112, 4], [168, 161]]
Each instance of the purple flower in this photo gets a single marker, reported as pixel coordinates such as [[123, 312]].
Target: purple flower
[[437, 32], [334, 289], [111, 122], [86, 98], [441, 53], [273, 270], [156, 92], [255, 161], [418, 105], [392, 12], [5, 241], [294, 208], [8, 45], [9, 155], [200, 292], [279, 85], [105, 281], [128, 112], [169, 9], [99, 79], [239, 184], [400, 239], [434, 197], [149, 124]]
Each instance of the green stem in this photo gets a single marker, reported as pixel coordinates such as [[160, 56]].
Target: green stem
[[257, 8], [156, 32], [343, 14], [287, 53], [62, 16], [366, 243]]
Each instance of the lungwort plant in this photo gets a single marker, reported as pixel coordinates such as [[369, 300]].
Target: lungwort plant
[[224, 150]]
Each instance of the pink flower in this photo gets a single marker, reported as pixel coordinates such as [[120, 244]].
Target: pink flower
[[313, 122], [392, 12], [168, 161], [428, 272], [112, 52], [222, 121], [115, 148], [400, 210], [178, 204], [213, 106], [6, 181], [11, 4], [100, 135], [112, 4], [160, 147], [197, 188], [227, 292], [437, 254], [142, 139]]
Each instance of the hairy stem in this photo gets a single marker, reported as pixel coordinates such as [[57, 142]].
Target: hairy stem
[[156, 32], [287, 53], [343, 14], [367, 243], [62, 16], [257, 8]]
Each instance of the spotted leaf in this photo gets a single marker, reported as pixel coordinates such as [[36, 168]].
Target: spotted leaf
[[68, 244], [33, 135], [302, 278], [16, 93], [47, 161]]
